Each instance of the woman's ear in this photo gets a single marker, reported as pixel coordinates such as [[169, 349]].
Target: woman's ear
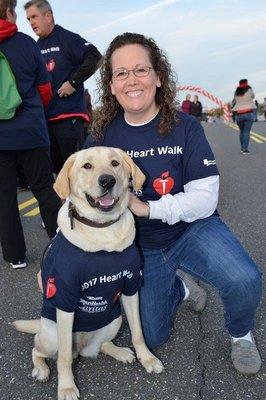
[[112, 88], [138, 178]]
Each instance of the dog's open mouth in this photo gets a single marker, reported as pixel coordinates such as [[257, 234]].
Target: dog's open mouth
[[106, 202]]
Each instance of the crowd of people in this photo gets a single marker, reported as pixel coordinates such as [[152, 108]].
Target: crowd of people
[[179, 231], [193, 107]]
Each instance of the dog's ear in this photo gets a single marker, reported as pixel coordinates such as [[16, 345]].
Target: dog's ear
[[61, 185], [138, 178]]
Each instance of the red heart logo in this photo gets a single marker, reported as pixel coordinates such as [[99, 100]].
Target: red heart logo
[[50, 66], [164, 184], [50, 288]]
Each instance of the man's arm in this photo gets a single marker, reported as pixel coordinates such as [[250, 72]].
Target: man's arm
[[89, 65]]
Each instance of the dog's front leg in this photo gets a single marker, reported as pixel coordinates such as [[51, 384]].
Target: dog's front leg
[[147, 359], [66, 385]]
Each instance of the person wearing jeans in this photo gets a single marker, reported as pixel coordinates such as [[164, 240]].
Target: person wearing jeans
[[179, 231], [244, 107], [244, 122]]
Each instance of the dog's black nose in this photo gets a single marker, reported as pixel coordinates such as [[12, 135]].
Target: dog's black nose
[[106, 181]]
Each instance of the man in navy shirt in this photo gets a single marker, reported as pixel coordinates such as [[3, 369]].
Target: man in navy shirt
[[24, 139], [70, 60]]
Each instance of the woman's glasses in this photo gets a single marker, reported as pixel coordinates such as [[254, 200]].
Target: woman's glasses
[[122, 73]]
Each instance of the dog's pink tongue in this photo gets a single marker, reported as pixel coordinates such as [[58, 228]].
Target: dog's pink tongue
[[106, 200]]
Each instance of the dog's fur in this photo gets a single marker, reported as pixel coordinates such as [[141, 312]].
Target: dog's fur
[[78, 179]]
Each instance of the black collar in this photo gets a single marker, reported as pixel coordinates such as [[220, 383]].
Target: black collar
[[72, 213]]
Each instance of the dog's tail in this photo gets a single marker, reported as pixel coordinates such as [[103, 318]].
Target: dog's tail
[[27, 326]]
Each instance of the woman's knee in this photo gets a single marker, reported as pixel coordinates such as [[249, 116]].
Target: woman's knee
[[246, 289]]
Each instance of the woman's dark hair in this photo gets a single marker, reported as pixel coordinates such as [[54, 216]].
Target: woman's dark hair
[[165, 94], [5, 5], [242, 88]]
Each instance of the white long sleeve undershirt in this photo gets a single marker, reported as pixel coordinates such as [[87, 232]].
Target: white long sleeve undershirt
[[199, 200]]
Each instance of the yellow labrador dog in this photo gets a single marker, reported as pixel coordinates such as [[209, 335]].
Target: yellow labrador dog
[[90, 264]]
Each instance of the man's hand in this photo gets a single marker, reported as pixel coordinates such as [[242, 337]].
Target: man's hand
[[138, 207], [66, 90]]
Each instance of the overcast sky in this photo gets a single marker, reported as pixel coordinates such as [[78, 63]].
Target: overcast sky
[[210, 43]]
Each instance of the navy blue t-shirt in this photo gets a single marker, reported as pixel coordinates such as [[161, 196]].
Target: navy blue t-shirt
[[64, 52], [27, 129], [169, 162], [88, 284]]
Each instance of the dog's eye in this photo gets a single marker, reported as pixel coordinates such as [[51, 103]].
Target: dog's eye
[[87, 166], [115, 163]]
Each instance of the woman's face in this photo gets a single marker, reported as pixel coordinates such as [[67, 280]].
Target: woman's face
[[135, 94]]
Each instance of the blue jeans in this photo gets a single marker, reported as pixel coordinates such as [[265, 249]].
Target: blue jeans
[[244, 122], [208, 251]]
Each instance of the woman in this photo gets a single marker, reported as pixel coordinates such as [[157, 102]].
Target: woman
[[177, 222], [244, 108], [196, 108], [186, 104]]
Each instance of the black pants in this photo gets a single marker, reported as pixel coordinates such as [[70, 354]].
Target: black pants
[[37, 166], [66, 137]]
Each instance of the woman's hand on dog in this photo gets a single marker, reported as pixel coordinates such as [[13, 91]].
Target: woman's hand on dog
[[138, 207]]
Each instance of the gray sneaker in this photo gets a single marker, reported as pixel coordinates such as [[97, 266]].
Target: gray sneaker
[[197, 295], [245, 357]]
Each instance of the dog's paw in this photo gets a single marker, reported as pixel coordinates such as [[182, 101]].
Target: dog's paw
[[152, 364], [71, 393], [41, 373], [124, 354]]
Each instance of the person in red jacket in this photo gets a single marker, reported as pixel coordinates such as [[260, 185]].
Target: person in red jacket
[[186, 105], [24, 139]]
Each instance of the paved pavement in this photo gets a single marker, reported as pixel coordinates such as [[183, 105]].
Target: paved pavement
[[197, 357]]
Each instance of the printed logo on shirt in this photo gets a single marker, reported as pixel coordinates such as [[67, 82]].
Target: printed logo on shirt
[[175, 150], [163, 184], [93, 304], [50, 50], [50, 288], [102, 279], [208, 162], [50, 65]]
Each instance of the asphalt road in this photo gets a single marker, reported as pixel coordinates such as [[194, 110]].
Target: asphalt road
[[197, 357]]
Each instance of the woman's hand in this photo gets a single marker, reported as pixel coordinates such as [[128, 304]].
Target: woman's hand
[[39, 280], [138, 207]]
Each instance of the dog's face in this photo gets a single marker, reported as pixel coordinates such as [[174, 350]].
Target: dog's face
[[97, 179]]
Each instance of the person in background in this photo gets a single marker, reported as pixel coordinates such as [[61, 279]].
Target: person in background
[[70, 60], [24, 139], [256, 110], [186, 104], [233, 112], [196, 108], [244, 108], [178, 227]]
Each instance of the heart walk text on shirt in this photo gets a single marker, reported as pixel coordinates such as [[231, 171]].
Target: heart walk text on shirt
[[158, 151], [106, 279]]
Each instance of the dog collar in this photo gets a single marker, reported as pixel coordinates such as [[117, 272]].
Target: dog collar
[[72, 213]]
